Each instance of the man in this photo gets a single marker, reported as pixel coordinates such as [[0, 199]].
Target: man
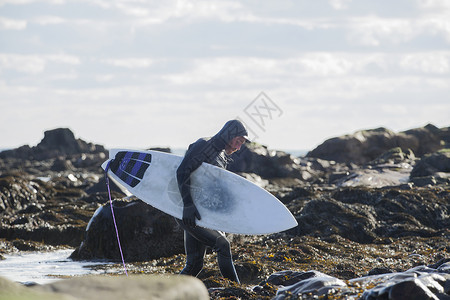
[[216, 151]]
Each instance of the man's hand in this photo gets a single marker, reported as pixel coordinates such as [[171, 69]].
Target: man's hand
[[190, 212]]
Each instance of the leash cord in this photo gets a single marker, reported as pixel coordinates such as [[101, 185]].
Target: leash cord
[[114, 219]]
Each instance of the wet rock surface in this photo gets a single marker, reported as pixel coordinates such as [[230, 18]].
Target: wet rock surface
[[373, 222], [145, 232]]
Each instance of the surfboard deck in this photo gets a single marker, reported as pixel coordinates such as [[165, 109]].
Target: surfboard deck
[[225, 200]]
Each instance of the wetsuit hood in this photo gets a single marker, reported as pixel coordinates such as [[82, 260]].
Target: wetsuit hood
[[229, 131]]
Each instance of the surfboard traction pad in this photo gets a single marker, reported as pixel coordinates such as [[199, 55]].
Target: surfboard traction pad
[[130, 166]]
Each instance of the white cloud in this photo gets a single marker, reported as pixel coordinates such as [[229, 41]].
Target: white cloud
[[130, 63], [48, 20], [436, 25], [339, 4], [432, 62], [12, 24], [373, 30], [33, 64], [24, 2], [248, 71], [437, 5], [29, 64]]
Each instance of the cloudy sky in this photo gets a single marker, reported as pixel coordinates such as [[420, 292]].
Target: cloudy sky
[[143, 73]]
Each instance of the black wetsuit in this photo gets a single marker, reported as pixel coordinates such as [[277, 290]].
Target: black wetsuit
[[197, 239]]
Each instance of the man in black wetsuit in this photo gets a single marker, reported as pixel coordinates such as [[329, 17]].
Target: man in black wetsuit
[[196, 239]]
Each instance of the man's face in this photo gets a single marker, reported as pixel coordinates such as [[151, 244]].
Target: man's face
[[234, 145]]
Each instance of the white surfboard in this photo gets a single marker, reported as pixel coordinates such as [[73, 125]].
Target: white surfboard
[[225, 201]]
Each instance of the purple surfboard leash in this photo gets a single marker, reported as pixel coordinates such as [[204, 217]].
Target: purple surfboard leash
[[114, 219]]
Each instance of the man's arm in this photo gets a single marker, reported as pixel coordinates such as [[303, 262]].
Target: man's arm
[[192, 160]]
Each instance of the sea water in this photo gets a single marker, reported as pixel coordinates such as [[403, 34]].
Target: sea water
[[44, 267]]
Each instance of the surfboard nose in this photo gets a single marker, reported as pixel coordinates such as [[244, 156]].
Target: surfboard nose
[[105, 164]]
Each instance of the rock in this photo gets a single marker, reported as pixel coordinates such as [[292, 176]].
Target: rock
[[382, 176], [18, 193], [378, 271], [361, 214], [56, 142], [442, 263], [288, 277], [229, 293], [427, 139], [393, 156], [412, 290], [327, 217], [62, 165], [318, 284], [112, 288], [431, 164], [100, 187], [424, 181], [250, 271], [12, 290], [391, 168], [145, 233], [417, 283], [257, 159], [366, 145]]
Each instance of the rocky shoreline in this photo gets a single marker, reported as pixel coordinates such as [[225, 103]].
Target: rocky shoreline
[[373, 211]]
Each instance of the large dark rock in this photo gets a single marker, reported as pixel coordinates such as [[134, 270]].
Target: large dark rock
[[364, 215], [145, 233], [258, 159], [56, 142], [366, 145]]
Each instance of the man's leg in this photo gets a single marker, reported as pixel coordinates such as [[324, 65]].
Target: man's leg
[[224, 259], [196, 236], [195, 253]]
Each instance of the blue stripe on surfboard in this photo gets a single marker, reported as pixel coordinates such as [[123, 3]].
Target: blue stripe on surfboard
[[130, 166], [127, 178], [138, 165]]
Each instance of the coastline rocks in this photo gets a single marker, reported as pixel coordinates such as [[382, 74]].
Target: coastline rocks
[[352, 217], [56, 142], [366, 145], [145, 233], [57, 152]]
